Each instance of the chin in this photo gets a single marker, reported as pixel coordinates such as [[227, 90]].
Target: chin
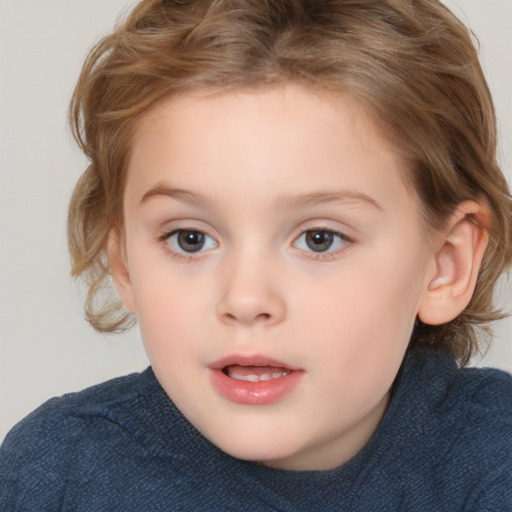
[[263, 449]]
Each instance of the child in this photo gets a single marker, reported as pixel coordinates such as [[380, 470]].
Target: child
[[300, 203]]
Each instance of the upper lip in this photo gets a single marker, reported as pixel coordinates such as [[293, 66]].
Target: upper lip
[[249, 360]]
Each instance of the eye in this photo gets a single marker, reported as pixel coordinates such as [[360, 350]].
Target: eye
[[320, 241], [185, 241]]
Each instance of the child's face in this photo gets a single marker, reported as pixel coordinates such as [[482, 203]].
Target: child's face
[[273, 229]]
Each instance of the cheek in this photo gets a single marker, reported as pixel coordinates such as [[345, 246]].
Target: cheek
[[165, 309], [171, 309], [373, 306]]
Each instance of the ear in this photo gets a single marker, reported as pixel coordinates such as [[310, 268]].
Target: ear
[[457, 262], [119, 269]]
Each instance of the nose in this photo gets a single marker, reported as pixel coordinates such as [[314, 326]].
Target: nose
[[251, 294]]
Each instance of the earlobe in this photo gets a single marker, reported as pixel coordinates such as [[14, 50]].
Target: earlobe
[[457, 263], [119, 269]]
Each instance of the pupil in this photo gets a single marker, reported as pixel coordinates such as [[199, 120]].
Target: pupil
[[319, 241], [191, 241]]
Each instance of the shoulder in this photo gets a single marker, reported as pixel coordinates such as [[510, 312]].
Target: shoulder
[[480, 400], [452, 391], [470, 420], [36, 454], [448, 433], [66, 413], [489, 387], [472, 406], [482, 436]]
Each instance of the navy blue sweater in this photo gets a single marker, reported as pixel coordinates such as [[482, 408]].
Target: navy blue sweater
[[445, 444]]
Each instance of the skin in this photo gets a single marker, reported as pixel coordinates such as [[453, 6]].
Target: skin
[[259, 170]]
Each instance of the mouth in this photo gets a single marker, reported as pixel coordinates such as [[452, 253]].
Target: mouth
[[254, 380], [255, 373]]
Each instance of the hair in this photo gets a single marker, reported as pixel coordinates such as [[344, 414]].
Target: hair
[[412, 65]]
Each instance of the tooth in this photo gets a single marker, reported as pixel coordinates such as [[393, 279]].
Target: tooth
[[258, 378], [280, 374]]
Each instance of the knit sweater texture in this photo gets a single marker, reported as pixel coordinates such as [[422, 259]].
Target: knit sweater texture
[[444, 444]]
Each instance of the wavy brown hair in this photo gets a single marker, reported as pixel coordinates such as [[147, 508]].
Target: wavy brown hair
[[413, 65]]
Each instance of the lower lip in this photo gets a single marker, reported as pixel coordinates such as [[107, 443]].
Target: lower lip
[[255, 393]]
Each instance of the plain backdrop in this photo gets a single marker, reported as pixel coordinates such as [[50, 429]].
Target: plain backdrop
[[46, 348]]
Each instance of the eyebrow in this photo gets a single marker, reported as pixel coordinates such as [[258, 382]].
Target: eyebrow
[[184, 196], [316, 198], [284, 202]]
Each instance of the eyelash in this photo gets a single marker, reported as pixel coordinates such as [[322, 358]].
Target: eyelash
[[311, 254]]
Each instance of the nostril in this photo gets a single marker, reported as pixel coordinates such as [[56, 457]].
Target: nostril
[[247, 319]]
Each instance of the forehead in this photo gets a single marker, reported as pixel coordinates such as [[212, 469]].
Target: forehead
[[282, 139]]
